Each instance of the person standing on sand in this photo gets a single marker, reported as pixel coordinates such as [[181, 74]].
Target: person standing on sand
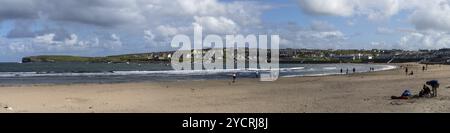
[[434, 86], [346, 72], [354, 70], [341, 70], [423, 68], [406, 70]]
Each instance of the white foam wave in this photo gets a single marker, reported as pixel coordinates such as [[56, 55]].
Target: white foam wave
[[329, 68]]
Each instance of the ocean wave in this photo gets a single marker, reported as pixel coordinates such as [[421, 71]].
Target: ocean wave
[[383, 68], [329, 68]]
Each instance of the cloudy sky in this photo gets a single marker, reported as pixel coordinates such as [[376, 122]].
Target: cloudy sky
[[107, 27]]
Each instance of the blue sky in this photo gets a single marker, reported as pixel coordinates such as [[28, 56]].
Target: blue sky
[[108, 27]]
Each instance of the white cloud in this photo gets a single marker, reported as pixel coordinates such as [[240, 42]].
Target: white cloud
[[16, 47], [72, 40], [167, 31], [45, 39], [426, 14], [295, 36], [201, 7], [114, 43], [48, 42], [373, 9], [149, 36], [216, 24], [429, 40], [435, 16], [328, 7]]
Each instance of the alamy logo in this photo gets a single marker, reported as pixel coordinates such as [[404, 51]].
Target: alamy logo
[[239, 52]]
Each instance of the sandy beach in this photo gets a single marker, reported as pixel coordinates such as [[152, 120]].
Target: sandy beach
[[363, 92]]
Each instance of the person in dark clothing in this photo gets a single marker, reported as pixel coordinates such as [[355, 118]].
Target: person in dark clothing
[[234, 77], [434, 86], [406, 70], [354, 70], [425, 92], [341, 70], [423, 68]]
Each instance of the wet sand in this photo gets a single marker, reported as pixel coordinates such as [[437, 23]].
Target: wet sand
[[363, 92]]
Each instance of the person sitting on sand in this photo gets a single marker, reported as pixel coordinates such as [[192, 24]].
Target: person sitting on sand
[[425, 92], [405, 95]]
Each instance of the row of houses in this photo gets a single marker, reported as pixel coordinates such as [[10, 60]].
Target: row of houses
[[437, 56]]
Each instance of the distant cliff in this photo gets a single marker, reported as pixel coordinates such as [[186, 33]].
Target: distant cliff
[[145, 57]]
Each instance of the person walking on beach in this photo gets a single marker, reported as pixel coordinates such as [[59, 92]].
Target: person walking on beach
[[423, 68], [406, 70], [234, 77], [346, 72], [354, 70], [341, 70]]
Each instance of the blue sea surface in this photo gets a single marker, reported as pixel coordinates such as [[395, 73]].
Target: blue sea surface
[[69, 73]]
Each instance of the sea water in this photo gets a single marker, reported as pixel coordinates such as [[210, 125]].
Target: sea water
[[67, 73]]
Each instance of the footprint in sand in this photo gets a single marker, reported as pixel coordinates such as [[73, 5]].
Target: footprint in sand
[[6, 107]]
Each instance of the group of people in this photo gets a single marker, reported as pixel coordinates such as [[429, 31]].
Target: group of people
[[346, 72], [407, 72], [426, 92]]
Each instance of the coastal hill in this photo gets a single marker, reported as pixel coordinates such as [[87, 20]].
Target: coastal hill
[[143, 57], [441, 56]]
